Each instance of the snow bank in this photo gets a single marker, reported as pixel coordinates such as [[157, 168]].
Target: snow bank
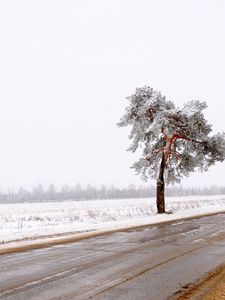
[[33, 220]]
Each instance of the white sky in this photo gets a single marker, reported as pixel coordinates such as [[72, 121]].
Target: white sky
[[66, 67]]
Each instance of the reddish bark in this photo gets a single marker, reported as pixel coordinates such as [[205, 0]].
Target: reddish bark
[[166, 152], [160, 198]]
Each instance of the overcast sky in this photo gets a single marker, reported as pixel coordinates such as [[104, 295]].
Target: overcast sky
[[66, 67]]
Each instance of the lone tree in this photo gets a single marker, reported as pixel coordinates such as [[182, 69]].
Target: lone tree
[[175, 141]]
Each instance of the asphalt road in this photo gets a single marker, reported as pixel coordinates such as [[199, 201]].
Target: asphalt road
[[148, 263]]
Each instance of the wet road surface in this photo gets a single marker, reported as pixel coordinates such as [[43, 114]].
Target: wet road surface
[[153, 262]]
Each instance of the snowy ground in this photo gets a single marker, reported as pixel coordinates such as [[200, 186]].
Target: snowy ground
[[33, 220]]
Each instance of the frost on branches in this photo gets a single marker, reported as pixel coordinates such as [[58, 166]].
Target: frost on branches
[[175, 140]]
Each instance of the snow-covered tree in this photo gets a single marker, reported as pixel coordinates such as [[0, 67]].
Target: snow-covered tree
[[175, 141]]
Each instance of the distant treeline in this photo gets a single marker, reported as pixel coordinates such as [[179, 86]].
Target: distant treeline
[[78, 193]]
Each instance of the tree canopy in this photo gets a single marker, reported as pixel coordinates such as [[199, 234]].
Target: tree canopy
[[182, 134]]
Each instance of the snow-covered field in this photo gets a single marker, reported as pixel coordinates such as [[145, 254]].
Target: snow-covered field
[[33, 220]]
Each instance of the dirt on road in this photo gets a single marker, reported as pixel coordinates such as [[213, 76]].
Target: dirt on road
[[209, 287]]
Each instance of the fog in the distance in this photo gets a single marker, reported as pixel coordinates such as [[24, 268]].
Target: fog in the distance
[[67, 66]]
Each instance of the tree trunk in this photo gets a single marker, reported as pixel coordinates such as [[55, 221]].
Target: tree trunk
[[160, 200]]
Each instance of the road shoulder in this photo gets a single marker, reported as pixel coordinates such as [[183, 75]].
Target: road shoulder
[[22, 246], [211, 286]]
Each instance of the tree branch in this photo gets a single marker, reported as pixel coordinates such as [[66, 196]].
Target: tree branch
[[154, 154]]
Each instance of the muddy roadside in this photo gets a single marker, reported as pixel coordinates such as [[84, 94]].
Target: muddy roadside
[[211, 286]]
